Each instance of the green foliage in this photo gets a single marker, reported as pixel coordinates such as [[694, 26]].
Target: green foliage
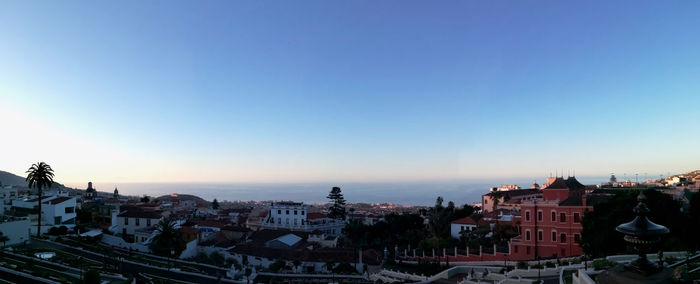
[[168, 241], [599, 238], [277, 265], [40, 175], [344, 268], [600, 264], [522, 264], [92, 276], [337, 209], [215, 204], [3, 239], [403, 230]]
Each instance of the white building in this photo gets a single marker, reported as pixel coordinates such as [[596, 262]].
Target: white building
[[132, 219], [7, 195], [295, 216], [16, 229], [460, 225], [56, 211]]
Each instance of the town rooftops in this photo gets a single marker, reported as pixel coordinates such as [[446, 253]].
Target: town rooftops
[[138, 212], [316, 215], [57, 200], [288, 239], [569, 183], [465, 221]]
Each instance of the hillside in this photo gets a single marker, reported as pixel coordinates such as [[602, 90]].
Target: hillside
[[7, 178]]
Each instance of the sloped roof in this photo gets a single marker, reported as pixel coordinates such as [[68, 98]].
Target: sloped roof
[[465, 221], [569, 183], [289, 239], [316, 215], [57, 200]]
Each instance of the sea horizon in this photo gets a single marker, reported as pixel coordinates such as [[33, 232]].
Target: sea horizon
[[415, 193]]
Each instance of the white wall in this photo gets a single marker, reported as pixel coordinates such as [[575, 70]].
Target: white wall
[[131, 227], [17, 231], [455, 229]]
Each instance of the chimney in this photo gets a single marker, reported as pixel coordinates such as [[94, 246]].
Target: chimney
[[583, 199]]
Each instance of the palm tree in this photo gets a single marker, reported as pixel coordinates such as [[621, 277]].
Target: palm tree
[[167, 239], [41, 176]]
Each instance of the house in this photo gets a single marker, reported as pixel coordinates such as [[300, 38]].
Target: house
[[508, 199], [267, 246], [56, 210], [460, 225], [15, 229], [295, 216], [551, 225], [133, 218]]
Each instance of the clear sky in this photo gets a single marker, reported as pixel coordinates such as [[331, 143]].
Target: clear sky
[[278, 91]]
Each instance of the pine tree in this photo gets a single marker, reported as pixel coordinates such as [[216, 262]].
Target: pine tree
[[337, 209], [215, 204]]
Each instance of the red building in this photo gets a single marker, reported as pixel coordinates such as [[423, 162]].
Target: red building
[[551, 225]]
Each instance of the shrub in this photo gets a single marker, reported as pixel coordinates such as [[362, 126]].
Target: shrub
[[522, 265], [550, 264], [600, 264], [92, 276]]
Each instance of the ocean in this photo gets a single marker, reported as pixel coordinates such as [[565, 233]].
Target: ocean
[[405, 193]]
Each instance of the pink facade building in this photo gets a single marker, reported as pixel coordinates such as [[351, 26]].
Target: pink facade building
[[551, 226]]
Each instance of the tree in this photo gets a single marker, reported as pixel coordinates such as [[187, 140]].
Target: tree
[[145, 199], [296, 264], [215, 204], [92, 276], [167, 239], [496, 198], [337, 209], [40, 175], [3, 239]]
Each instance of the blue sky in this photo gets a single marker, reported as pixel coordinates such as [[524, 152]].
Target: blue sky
[[276, 91]]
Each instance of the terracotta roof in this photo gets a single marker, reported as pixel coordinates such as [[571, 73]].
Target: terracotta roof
[[315, 215], [465, 221]]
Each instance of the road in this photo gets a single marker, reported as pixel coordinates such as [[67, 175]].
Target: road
[[133, 268]]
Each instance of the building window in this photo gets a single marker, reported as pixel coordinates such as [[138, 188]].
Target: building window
[[279, 212], [295, 222], [562, 217], [577, 218], [540, 235], [295, 212], [539, 216], [148, 222], [138, 221], [554, 216], [279, 221], [527, 235], [516, 249], [70, 210], [577, 238], [57, 220], [554, 236], [287, 221], [126, 221], [562, 237], [527, 216], [286, 212], [302, 212], [527, 250]]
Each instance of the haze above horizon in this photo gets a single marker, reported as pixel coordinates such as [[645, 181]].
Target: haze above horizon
[[322, 91]]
